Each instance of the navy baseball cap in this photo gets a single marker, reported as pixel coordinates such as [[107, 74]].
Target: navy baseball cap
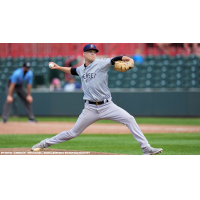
[[90, 47], [27, 65]]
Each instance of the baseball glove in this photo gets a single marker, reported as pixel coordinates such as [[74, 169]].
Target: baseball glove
[[123, 66]]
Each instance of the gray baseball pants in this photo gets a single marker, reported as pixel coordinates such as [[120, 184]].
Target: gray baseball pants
[[92, 113], [22, 95]]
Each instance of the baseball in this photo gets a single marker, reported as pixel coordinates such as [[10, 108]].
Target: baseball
[[51, 65]]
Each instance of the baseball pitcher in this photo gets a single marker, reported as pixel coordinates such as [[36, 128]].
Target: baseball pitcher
[[98, 100]]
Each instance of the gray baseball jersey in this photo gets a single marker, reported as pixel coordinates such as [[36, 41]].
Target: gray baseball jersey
[[95, 80]]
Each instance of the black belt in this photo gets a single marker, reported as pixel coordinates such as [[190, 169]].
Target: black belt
[[97, 103]]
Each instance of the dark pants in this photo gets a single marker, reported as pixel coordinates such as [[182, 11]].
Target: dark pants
[[19, 89]]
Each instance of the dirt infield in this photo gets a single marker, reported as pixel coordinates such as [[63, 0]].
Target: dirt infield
[[48, 151], [57, 127]]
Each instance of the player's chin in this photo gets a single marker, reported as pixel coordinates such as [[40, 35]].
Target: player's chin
[[92, 59]]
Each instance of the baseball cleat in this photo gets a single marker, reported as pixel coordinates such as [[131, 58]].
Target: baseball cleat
[[152, 151], [38, 147]]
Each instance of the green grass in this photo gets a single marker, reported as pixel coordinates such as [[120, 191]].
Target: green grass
[[140, 120], [173, 144]]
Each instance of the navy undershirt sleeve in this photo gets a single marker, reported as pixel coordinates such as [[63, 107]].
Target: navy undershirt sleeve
[[73, 71], [116, 59]]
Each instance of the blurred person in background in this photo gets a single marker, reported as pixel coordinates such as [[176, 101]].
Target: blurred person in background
[[55, 85], [164, 47], [137, 57], [192, 48], [15, 85], [71, 84]]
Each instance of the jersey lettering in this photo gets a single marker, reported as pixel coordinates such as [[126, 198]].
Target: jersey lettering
[[88, 75]]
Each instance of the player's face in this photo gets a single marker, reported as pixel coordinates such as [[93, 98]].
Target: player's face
[[90, 55]]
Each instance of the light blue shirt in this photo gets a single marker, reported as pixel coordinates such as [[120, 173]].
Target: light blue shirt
[[19, 78], [95, 80]]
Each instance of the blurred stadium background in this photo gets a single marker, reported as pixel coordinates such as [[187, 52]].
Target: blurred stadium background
[[164, 82]]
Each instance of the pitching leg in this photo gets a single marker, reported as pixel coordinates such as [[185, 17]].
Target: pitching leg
[[86, 118], [115, 113]]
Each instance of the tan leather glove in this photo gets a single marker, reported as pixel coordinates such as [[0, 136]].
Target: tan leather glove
[[123, 66]]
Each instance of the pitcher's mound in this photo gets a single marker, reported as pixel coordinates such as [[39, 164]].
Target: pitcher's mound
[[48, 151]]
